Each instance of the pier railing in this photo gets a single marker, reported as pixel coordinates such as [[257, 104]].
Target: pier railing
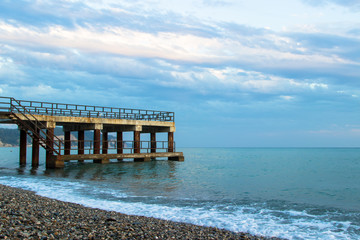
[[33, 127], [72, 110]]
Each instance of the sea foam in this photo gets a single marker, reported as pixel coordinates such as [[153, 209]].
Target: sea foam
[[257, 220]]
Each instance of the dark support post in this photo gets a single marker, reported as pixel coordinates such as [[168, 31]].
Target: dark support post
[[35, 149], [49, 144], [177, 158], [105, 143], [23, 143], [97, 141], [119, 143], [81, 138], [67, 137], [137, 147], [81, 143], [170, 141], [153, 142], [144, 159], [136, 141]]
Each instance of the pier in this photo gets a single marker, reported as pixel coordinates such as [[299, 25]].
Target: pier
[[39, 119]]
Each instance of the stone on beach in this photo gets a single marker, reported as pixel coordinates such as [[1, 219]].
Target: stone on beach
[[25, 215]]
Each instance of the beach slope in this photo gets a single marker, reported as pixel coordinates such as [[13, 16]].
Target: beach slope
[[25, 215]]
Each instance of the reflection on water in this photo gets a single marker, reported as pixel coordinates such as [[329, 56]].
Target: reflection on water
[[113, 171], [134, 177], [157, 176]]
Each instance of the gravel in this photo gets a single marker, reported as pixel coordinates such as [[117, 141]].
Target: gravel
[[25, 215]]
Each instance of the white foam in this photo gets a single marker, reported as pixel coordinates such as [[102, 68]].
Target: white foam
[[242, 219]]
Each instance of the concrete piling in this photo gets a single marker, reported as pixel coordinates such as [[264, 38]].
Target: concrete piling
[[23, 146]]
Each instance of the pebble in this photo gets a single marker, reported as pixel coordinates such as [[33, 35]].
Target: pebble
[[25, 215]]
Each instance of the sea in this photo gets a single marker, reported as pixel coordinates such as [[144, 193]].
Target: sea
[[293, 193]]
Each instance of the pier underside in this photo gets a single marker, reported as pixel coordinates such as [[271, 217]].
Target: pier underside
[[59, 161]]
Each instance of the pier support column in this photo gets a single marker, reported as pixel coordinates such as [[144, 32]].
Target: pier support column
[[170, 141], [137, 144], [105, 143], [136, 141], [23, 143], [35, 149], [119, 143], [97, 141], [67, 138], [178, 158], [153, 142], [49, 145], [145, 159], [81, 143], [55, 161]]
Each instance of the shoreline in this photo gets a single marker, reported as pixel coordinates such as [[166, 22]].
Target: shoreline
[[24, 214]]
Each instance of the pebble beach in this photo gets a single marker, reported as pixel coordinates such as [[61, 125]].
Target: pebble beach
[[25, 215]]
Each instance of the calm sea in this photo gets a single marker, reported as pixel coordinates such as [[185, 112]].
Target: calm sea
[[295, 193]]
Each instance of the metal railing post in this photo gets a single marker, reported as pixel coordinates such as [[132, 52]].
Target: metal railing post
[[11, 105]]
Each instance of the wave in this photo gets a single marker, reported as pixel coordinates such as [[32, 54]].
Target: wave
[[255, 218]]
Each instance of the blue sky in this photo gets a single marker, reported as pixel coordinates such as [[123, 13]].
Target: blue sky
[[236, 73]]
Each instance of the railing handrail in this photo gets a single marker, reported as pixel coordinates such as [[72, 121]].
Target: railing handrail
[[65, 109], [37, 125]]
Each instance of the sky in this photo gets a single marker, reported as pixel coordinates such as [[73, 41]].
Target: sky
[[236, 73]]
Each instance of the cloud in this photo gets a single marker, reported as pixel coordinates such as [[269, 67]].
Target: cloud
[[126, 40], [287, 98], [128, 47], [215, 73], [207, 80], [41, 13], [216, 3], [352, 4], [116, 40]]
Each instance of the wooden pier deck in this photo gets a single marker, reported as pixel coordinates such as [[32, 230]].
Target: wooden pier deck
[[39, 119]]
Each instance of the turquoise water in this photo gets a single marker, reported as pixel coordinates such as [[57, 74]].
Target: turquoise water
[[295, 193]]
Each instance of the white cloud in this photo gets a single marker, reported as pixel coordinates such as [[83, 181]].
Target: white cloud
[[10, 71], [117, 40], [230, 79], [317, 85], [267, 50], [287, 98], [224, 59]]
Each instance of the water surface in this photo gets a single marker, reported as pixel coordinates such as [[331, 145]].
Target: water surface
[[295, 193]]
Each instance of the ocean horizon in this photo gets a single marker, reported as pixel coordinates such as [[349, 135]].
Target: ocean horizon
[[293, 193]]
